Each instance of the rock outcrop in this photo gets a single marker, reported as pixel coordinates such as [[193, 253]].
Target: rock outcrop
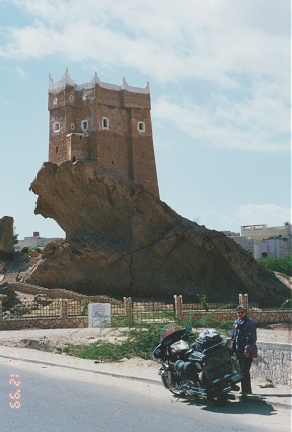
[[6, 238], [122, 240]]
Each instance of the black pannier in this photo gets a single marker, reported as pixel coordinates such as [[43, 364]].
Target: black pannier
[[185, 370], [206, 340]]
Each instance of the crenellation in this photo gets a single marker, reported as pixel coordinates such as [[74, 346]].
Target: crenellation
[[105, 123]]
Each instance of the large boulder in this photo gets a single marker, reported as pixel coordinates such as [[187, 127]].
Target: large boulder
[[6, 238], [122, 240]]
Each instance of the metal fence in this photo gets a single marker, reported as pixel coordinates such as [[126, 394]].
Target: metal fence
[[134, 309], [149, 310], [33, 309]]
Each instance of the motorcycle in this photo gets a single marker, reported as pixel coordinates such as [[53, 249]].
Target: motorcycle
[[206, 369]]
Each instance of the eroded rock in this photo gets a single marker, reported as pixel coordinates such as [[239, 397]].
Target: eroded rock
[[122, 240], [6, 238]]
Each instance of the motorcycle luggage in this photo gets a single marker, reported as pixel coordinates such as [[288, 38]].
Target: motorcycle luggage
[[185, 370], [207, 340]]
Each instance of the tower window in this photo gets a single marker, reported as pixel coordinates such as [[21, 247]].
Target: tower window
[[55, 101], [72, 126], [105, 123], [71, 98], [84, 125], [141, 126], [56, 127]]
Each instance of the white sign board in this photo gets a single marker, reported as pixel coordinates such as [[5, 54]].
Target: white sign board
[[99, 315]]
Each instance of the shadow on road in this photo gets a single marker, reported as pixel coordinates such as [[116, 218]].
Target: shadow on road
[[253, 405]]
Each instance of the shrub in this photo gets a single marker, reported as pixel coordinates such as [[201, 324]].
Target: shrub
[[278, 264], [28, 249]]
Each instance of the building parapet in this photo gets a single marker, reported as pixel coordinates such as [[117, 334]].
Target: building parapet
[[56, 86]]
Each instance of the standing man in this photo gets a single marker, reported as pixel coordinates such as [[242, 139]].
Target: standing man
[[243, 344]]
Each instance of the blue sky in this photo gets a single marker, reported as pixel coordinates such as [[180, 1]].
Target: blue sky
[[219, 74]]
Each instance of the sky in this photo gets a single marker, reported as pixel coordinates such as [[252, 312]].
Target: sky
[[220, 85]]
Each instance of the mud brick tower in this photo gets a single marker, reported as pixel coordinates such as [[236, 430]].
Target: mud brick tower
[[105, 123]]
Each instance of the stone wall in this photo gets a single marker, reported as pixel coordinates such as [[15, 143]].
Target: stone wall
[[53, 293], [258, 317], [273, 363], [44, 323]]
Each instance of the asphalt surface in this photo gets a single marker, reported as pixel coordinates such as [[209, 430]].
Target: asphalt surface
[[134, 369]]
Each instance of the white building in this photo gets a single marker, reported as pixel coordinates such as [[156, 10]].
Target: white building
[[33, 242], [263, 241]]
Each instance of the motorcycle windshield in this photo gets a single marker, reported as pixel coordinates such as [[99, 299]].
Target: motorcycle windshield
[[169, 335]]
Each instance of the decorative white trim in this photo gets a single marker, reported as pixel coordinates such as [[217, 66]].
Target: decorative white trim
[[141, 126], [84, 125], [55, 101], [105, 123], [56, 127], [56, 86]]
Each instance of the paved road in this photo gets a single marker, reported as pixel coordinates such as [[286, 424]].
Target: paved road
[[36, 397]]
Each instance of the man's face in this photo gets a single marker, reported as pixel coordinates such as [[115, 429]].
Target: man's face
[[241, 313]]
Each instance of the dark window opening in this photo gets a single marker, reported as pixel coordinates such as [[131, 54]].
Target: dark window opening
[[105, 123], [141, 126], [73, 159]]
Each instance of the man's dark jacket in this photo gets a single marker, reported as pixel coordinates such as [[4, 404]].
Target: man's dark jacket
[[244, 337]]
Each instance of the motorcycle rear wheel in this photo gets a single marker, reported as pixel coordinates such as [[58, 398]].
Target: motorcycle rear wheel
[[173, 384], [216, 397]]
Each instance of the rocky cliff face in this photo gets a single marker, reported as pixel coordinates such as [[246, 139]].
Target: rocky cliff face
[[122, 240], [6, 238]]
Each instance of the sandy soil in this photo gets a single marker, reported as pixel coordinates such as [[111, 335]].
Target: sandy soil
[[58, 339]]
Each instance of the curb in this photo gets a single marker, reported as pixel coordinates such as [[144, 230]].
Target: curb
[[263, 397], [64, 366]]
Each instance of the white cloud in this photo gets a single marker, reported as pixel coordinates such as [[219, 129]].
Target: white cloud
[[241, 47], [166, 39], [270, 214], [256, 124]]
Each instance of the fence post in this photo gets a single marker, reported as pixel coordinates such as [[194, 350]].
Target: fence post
[[128, 306], [0, 310], [64, 308], [243, 300], [178, 305]]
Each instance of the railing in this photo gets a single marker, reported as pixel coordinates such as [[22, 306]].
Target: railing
[[33, 309], [134, 310]]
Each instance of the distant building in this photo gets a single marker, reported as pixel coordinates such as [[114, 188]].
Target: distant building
[[262, 241], [33, 242]]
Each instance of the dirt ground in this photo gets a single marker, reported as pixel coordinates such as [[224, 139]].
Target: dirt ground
[[58, 339]]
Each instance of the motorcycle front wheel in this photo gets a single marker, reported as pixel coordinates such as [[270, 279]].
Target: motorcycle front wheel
[[173, 383]]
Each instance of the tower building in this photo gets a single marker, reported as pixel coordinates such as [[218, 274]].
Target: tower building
[[106, 123]]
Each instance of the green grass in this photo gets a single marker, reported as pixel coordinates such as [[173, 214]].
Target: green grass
[[142, 340]]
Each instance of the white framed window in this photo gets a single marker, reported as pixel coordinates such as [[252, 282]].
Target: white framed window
[[72, 126], [84, 97], [71, 98], [56, 127], [105, 123], [55, 101], [84, 125], [141, 126]]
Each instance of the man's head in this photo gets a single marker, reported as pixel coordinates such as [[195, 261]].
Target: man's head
[[241, 311]]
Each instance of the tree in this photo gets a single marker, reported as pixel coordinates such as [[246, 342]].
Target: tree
[[278, 264]]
